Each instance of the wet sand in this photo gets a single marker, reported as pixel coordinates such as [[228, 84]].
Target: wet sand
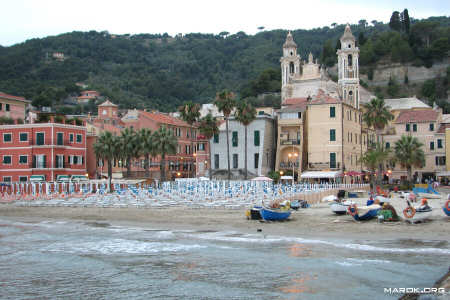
[[316, 221]]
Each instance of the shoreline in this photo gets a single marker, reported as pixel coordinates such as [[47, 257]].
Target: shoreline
[[317, 221]]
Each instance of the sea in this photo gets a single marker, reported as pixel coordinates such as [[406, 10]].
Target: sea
[[96, 260]]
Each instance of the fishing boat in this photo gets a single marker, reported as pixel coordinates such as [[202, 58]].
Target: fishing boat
[[340, 207], [274, 214], [417, 214], [363, 213], [446, 208], [254, 213]]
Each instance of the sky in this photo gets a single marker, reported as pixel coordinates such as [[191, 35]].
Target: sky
[[26, 19]]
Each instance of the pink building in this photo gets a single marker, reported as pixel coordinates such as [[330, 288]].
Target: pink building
[[12, 106], [46, 149]]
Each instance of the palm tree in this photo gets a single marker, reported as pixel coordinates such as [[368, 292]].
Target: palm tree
[[208, 127], [225, 102], [106, 147], [373, 158], [408, 152], [165, 143], [245, 114], [129, 147], [190, 113], [377, 115], [146, 148]]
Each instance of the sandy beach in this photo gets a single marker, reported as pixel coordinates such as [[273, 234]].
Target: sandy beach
[[316, 221]]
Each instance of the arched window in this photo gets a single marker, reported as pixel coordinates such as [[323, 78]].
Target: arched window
[[350, 57], [291, 67], [292, 53], [350, 95]]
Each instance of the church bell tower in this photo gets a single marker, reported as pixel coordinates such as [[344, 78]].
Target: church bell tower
[[290, 63], [348, 65]]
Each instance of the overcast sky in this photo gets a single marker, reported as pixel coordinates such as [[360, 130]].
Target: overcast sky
[[26, 19]]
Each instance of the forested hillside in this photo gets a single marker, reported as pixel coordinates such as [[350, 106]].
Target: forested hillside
[[160, 71]]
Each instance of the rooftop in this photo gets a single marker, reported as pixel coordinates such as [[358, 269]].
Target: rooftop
[[419, 116], [405, 103], [442, 128], [164, 118], [108, 103], [11, 97]]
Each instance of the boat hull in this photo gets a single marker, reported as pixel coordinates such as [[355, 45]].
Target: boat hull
[[340, 208], [420, 216], [366, 213], [274, 215], [446, 211]]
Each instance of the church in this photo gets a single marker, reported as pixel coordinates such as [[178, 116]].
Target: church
[[320, 130]]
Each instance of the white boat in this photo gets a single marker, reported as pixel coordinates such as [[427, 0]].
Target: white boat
[[340, 208], [417, 214]]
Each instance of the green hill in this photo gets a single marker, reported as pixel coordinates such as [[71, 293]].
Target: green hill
[[160, 71]]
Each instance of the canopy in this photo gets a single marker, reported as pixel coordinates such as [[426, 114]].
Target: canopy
[[321, 174], [353, 173], [262, 178], [443, 174], [37, 178], [62, 178], [79, 177], [286, 177]]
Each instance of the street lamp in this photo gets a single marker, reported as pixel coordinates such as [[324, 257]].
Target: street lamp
[[293, 155], [194, 164]]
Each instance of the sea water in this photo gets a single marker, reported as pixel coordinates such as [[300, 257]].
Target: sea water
[[91, 260]]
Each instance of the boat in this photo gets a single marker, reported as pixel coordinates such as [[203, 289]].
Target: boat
[[254, 213], [274, 214], [417, 214], [363, 213], [446, 208], [340, 207]]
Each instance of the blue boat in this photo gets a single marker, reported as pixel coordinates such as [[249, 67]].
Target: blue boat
[[445, 208], [364, 213], [274, 214]]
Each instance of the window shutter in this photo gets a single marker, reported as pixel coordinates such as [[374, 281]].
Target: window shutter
[[45, 161]]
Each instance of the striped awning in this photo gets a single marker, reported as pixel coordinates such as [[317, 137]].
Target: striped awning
[[321, 174], [37, 178]]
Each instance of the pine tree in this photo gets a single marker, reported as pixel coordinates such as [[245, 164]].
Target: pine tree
[[395, 23], [405, 22]]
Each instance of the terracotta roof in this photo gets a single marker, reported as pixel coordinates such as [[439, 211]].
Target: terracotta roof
[[442, 128], [425, 115], [11, 97], [322, 98], [164, 119], [294, 101], [107, 103]]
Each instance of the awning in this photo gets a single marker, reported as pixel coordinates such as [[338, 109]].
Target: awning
[[443, 174], [262, 178], [79, 177], [321, 174], [37, 178], [286, 177], [62, 178]]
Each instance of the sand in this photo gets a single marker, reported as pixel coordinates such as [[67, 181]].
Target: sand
[[316, 221]]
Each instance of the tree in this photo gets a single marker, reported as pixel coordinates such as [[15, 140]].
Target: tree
[[245, 114], [377, 115], [129, 147], [146, 148], [328, 55], [106, 147], [404, 18], [190, 112], [408, 152], [361, 38], [395, 23], [225, 102], [362, 23], [208, 128], [373, 159], [165, 143]]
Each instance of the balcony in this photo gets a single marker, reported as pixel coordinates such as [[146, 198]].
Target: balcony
[[289, 164], [290, 142], [323, 165]]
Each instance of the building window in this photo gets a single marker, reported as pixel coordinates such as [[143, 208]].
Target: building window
[[40, 137], [59, 161], [1, 106], [256, 160], [256, 137], [23, 137], [431, 126], [23, 159], [39, 161], [415, 127], [299, 115], [235, 161], [6, 178], [407, 127], [439, 144], [7, 107], [23, 178], [332, 160], [79, 138], [431, 145], [216, 161], [234, 139], [60, 138], [7, 137], [332, 135], [7, 159], [201, 146], [71, 137], [216, 138], [388, 145], [440, 160], [332, 112]]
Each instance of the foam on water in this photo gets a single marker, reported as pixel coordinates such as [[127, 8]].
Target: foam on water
[[120, 246], [255, 238]]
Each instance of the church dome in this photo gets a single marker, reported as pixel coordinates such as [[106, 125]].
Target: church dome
[[289, 41]]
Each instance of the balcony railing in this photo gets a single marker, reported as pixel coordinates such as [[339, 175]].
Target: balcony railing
[[324, 165], [290, 142], [289, 164]]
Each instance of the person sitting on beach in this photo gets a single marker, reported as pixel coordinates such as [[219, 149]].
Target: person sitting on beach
[[389, 207], [424, 205]]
